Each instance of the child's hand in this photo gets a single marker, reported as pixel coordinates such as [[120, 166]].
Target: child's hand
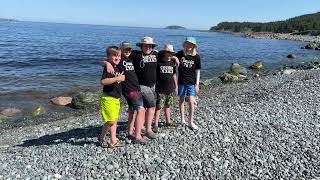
[[177, 62], [121, 77], [107, 65], [197, 88]]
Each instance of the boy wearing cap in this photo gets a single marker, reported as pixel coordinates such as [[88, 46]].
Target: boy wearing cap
[[189, 78], [110, 100], [166, 86], [131, 91]]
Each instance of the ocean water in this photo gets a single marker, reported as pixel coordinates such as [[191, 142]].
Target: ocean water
[[40, 60]]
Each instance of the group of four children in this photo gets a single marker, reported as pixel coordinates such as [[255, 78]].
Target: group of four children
[[148, 81]]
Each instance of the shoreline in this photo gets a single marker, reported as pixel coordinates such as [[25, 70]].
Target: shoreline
[[277, 36], [54, 113], [267, 128]]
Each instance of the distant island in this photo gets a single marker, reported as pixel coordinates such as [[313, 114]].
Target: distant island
[[175, 27], [4, 19], [308, 24]]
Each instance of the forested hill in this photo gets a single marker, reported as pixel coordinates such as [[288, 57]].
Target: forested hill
[[304, 23]]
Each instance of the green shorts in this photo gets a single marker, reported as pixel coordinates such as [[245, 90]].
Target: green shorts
[[109, 108], [165, 100]]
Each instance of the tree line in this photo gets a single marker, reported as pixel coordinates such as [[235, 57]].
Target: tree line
[[307, 24]]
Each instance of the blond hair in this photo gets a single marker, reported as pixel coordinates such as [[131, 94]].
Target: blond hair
[[113, 51]]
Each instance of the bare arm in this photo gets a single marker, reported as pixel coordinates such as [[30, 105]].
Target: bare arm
[[197, 81], [175, 83], [108, 66], [176, 60], [108, 81]]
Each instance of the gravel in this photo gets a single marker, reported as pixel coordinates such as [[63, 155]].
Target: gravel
[[259, 129]]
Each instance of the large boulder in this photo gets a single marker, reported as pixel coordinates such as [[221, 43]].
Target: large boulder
[[238, 70], [40, 110], [61, 101], [257, 65], [85, 100], [227, 77], [9, 112]]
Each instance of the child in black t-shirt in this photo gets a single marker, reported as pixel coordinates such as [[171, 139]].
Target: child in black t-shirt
[[189, 78], [110, 100], [131, 91], [166, 86]]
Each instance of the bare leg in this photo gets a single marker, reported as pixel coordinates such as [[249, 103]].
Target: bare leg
[[139, 123], [113, 132], [167, 112], [131, 121], [103, 132], [156, 123], [149, 118], [191, 108], [181, 108]]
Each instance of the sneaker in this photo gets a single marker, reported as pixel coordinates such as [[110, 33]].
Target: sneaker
[[193, 126], [183, 122], [151, 135]]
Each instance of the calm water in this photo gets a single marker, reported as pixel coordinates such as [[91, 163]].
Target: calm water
[[55, 58]]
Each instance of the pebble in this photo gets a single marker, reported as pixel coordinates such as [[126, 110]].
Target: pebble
[[57, 176], [265, 129]]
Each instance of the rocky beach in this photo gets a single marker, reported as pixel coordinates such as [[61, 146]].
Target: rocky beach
[[282, 36], [264, 128]]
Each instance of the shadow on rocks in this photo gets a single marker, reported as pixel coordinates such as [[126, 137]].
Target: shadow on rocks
[[76, 137]]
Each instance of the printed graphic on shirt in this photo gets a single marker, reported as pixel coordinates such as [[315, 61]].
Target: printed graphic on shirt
[[166, 69], [187, 63], [128, 65]]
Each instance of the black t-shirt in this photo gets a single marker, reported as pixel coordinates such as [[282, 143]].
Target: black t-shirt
[[114, 89], [131, 83], [187, 68], [165, 71], [145, 67]]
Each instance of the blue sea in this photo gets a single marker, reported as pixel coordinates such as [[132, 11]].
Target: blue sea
[[41, 60]]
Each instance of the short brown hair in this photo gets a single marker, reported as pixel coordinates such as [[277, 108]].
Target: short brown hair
[[113, 50]]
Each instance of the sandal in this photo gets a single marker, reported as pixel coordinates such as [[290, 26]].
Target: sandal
[[103, 144], [156, 129], [171, 125], [116, 145], [141, 141], [130, 137], [151, 135]]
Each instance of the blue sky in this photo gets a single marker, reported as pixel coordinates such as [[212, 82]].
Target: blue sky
[[197, 14]]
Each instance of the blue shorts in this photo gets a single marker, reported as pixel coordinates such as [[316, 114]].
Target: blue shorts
[[134, 100], [186, 89]]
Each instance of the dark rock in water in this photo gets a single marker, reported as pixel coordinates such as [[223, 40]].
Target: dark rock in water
[[39, 111], [291, 56], [10, 112], [85, 99], [257, 65], [312, 46], [61, 101]]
